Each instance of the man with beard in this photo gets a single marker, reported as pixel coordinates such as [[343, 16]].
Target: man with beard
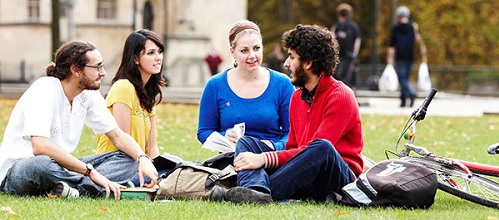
[[323, 151], [45, 127]]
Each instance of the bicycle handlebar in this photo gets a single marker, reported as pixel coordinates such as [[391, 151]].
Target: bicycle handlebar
[[420, 113], [429, 98]]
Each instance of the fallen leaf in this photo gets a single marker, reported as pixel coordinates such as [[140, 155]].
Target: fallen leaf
[[339, 212], [102, 210]]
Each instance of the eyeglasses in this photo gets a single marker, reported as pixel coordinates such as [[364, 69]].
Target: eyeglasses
[[98, 67]]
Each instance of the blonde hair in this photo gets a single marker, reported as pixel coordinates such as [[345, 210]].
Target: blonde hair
[[241, 28]]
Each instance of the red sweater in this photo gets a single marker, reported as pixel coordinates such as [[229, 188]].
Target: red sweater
[[333, 115]]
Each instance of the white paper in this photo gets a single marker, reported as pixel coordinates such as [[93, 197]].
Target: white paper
[[219, 143]]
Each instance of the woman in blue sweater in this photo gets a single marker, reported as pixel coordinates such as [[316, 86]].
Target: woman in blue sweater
[[247, 93]]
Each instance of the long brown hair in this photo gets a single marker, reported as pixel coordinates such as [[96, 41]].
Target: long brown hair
[[134, 44]]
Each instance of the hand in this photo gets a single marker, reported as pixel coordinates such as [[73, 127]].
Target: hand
[[390, 61], [146, 168], [106, 184], [249, 161], [231, 135]]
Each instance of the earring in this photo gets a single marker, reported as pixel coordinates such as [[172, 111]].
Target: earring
[[235, 63]]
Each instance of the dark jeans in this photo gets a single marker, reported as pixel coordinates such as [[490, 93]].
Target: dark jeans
[[136, 181], [37, 175], [345, 71], [313, 173], [403, 69]]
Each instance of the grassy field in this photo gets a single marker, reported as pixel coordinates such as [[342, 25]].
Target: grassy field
[[459, 137]]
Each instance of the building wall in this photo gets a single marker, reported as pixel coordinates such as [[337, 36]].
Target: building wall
[[190, 29]]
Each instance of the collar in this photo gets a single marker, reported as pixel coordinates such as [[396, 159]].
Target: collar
[[308, 96]]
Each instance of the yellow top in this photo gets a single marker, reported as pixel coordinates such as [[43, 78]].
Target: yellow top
[[122, 91]]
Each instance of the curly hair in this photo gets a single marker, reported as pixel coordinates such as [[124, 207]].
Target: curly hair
[[316, 44], [70, 53], [134, 45]]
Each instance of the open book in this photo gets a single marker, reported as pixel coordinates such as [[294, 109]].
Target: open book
[[219, 143]]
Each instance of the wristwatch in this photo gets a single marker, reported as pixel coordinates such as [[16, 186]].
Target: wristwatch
[[90, 167]]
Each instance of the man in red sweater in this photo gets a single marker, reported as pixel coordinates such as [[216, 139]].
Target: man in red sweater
[[323, 151]]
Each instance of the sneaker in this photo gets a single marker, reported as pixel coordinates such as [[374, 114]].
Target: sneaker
[[247, 195], [218, 193], [62, 189]]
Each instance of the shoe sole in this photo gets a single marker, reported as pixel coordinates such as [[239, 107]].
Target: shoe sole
[[59, 190], [247, 195]]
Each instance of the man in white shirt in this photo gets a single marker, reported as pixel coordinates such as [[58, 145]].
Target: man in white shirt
[[45, 127]]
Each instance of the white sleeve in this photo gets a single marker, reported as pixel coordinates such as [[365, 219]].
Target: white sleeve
[[37, 107]]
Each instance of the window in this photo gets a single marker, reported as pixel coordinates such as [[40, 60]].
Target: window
[[33, 9], [106, 9]]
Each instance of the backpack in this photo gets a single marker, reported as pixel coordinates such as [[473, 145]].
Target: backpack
[[195, 180], [392, 183]]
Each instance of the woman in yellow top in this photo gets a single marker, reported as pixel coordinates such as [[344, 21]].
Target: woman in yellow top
[[134, 92]]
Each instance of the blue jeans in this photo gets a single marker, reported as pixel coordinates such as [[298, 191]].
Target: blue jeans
[[314, 173], [136, 181], [37, 175], [403, 69]]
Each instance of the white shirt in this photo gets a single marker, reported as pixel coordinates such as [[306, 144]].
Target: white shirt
[[44, 110]]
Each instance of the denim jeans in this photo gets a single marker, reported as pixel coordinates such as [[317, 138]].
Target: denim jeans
[[136, 181], [37, 175], [345, 71], [403, 69], [314, 173]]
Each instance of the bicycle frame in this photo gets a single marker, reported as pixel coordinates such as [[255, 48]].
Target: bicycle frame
[[467, 166], [457, 177]]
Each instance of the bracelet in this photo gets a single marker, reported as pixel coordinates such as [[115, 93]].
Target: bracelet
[[143, 155]]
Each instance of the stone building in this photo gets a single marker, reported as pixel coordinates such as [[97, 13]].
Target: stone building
[[190, 28]]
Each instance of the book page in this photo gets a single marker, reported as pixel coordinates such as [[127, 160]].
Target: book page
[[219, 143]]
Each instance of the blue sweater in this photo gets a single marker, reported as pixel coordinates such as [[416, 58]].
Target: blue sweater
[[266, 117]]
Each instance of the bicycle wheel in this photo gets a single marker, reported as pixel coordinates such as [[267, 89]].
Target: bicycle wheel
[[454, 181]]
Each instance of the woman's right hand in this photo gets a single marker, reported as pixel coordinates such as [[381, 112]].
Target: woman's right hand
[[231, 135]]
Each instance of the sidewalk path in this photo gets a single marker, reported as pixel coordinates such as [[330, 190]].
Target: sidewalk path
[[441, 106], [371, 102]]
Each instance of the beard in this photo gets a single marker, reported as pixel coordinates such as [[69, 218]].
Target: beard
[[87, 83], [298, 77]]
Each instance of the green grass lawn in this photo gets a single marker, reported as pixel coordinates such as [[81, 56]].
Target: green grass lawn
[[459, 137]]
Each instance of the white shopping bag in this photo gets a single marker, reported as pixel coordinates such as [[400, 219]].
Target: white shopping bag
[[388, 82], [424, 80]]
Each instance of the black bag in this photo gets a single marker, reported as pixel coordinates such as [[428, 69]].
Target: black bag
[[392, 183]]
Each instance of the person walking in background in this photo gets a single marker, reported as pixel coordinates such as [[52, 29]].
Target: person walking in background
[[213, 60], [347, 34], [276, 59], [45, 127], [247, 93], [401, 53], [135, 92], [323, 151]]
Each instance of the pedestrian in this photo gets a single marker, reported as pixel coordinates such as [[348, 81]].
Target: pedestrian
[[247, 93], [347, 33], [323, 150], [45, 127], [401, 53], [276, 59], [213, 60], [135, 92]]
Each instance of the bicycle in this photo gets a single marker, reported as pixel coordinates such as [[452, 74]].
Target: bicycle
[[464, 179]]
